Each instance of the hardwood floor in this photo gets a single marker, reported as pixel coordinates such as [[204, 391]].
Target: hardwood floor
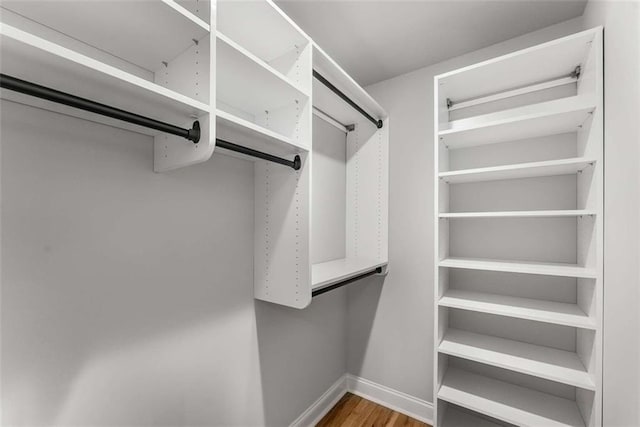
[[354, 411]]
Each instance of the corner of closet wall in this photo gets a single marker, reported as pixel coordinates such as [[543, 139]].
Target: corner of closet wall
[[143, 69], [518, 229]]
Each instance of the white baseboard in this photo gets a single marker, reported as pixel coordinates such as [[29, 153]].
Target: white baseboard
[[398, 401], [393, 399], [320, 407]]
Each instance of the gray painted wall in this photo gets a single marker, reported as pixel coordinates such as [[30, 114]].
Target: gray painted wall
[[127, 296]]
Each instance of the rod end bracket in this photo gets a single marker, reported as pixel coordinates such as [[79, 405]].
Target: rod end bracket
[[297, 163], [379, 124], [194, 132]]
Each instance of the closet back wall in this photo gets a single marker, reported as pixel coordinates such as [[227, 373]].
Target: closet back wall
[[391, 327], [127, 296]]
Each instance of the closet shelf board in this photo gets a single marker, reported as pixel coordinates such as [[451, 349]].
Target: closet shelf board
[[518, 171], [457, 417], [525, 267], [556, 59], [329, 103], [147, 32], [260, 138], [271, 34], [25, 56], [508, 402], [249, 84], [546, 118], [330, 272], [519, 214], [543, 362], [557, 313]]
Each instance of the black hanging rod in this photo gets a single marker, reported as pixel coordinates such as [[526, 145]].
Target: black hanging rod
[[295, 163], [321, 291], [33, 89], [346, 99]]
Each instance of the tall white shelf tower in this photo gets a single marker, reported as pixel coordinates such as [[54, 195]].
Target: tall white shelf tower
[[518, 246]]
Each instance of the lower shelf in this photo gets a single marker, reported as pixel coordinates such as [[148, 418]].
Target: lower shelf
[[524, 267], [508, 402], [543, 362], [330, 272], [455, 417]]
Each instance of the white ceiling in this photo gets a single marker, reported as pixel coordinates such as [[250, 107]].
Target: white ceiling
[[376, 40]]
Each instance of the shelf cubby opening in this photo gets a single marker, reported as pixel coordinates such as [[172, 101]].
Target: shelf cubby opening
[[266, 32]]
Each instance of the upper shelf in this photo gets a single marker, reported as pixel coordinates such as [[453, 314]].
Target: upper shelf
[[518, 214], [246, 82], [329, 103], [271, 34], [557, 313], [147, 32], [525, 267], [330, 272], [560, 57], [517, 171], [25, 56], [546, 118]]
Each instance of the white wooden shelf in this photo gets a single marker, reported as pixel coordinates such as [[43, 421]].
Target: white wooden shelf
[[25, 56], [546, 118], [146, 32], [330, 272], [456, 417], [557, 313], [519, 214], [517, 171], [525, 267], [247, 83], [554, 59], [255, 136], [543, 362], [508, 402]]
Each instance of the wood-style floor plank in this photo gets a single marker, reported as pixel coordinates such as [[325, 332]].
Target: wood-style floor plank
[[354, 411]]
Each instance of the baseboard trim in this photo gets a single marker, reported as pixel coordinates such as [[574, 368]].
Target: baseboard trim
[[393, 399], [320, 407]]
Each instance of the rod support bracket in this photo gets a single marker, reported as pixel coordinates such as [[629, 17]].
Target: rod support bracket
[[297, 163], [379, 124], [194, 132]]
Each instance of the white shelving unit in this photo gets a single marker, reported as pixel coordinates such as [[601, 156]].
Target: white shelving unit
[[265, 98], [141, 68], [518, 324]]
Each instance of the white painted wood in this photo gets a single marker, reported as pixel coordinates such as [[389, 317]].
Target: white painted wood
[[510, 403], [25, 55], [545, 118], [249, 134], [544, 362], [249, 84], [327, 273], [522, 308], [457, 105], [525, 267], [148, 32], [535, 64], [519, 214], [517, 171], [456, 417]]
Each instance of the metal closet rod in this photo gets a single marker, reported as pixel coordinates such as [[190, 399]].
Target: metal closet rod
[[193, 134], [33, 89], [295, 163], [345, 282], [346, 99]]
